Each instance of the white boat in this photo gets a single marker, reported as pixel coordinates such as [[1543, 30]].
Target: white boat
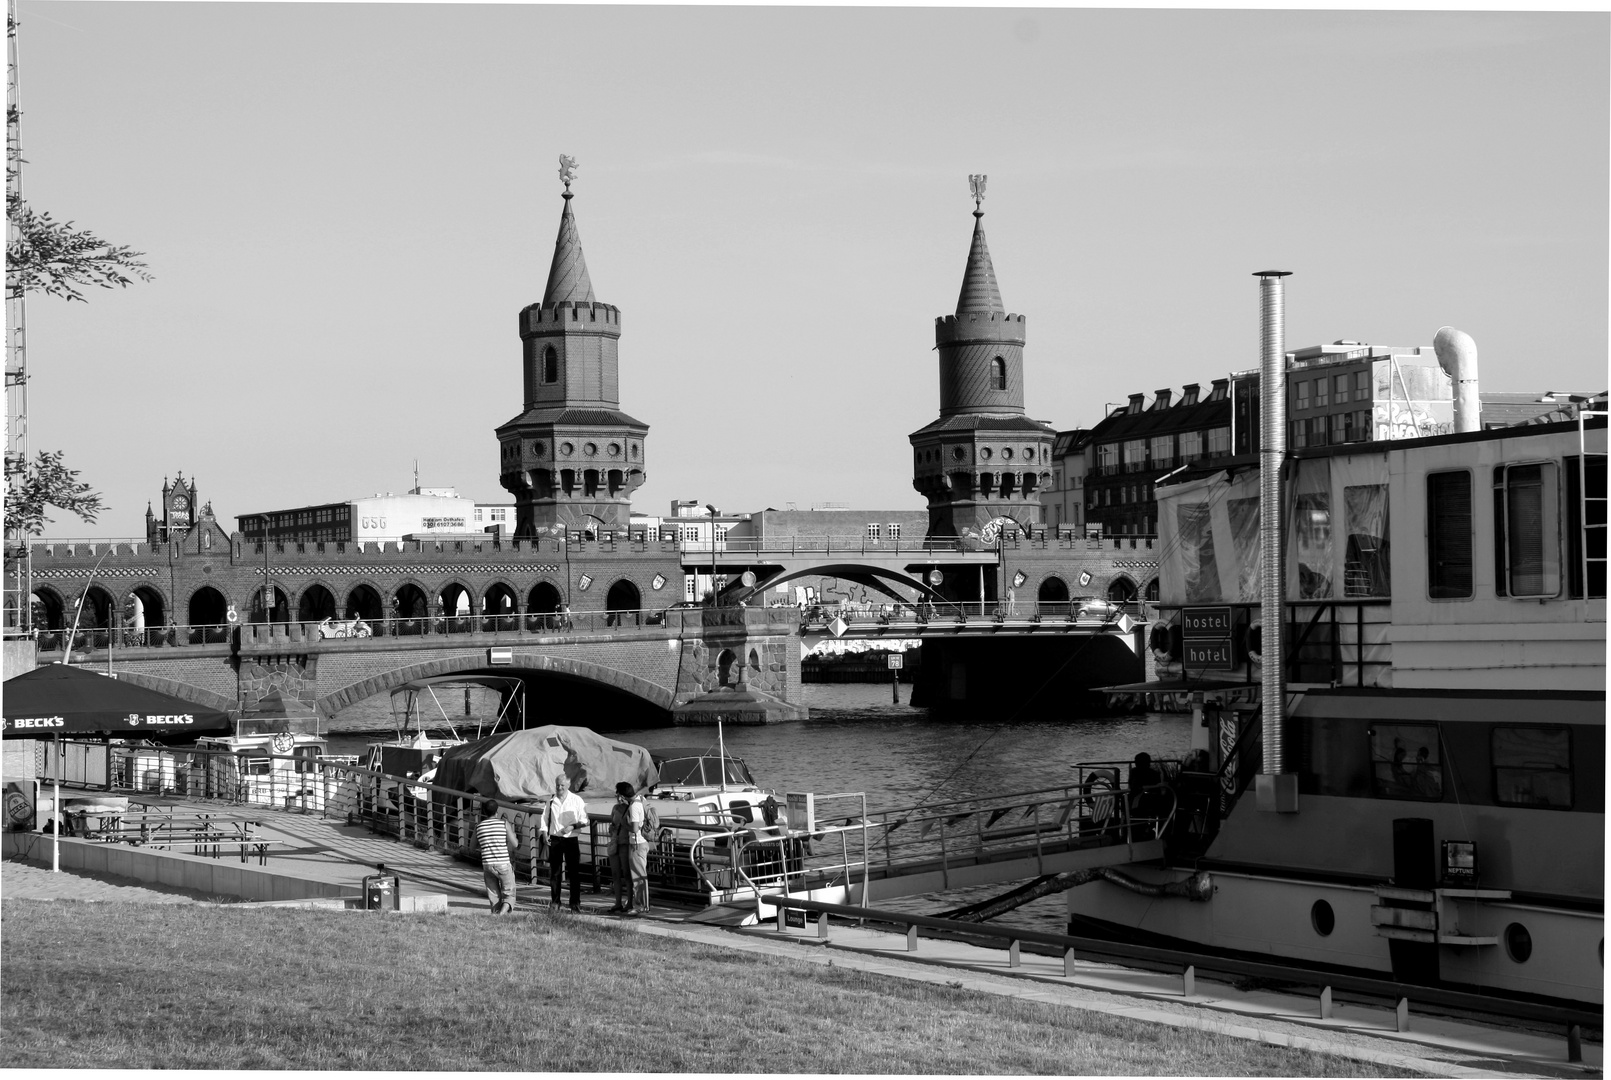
[[430, 715], [267, 760], [1435, 808]]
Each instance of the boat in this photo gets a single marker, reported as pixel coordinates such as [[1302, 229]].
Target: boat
[[267, 759], [1429, 804]]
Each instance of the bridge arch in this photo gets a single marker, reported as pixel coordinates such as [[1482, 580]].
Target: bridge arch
[[881, 578], [315, 604], [207, 607], [48, 606], [1052, 596], [410, 604], [523, 661], [184, 691], [1122, 589], [624, 600], [364, 602], [146, 607], [500, 606]]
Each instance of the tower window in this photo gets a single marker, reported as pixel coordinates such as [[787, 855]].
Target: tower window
[[550, 365], [998, 374]]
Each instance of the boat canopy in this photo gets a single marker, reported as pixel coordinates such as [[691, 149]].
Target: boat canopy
[[699, 768], [522, 765], [408, 703]]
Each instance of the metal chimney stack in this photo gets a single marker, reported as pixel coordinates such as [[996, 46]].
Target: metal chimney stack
[[1276, 789]]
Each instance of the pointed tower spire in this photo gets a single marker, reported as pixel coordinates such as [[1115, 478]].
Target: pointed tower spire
[[567, 277], [979, 295]]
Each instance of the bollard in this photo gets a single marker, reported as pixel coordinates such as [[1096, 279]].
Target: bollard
[[1068, 963], [1012, 954], [1574, 1042], [911, 939], [1404, 1014], [1188, 981], [781, 925], [822, 926], [1325, 1003]]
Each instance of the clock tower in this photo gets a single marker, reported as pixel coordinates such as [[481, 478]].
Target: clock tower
[[180, 511]]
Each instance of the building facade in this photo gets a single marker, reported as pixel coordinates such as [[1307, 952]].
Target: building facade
[[1132, 447], [429, 513]]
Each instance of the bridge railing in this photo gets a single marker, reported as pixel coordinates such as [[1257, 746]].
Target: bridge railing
[[824, 544], [1083, 612]]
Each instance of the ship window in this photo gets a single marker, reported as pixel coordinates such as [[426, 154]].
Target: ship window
[[1405, 762], [1532, 766], [1527, 556], [1448, 535]]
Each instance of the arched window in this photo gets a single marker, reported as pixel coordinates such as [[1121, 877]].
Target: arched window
[[550, 365], [998, 374]]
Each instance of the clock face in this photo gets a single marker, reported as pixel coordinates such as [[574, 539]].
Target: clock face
[[180, 502]]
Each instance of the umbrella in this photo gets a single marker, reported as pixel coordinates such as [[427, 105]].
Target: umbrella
[[63, 700]]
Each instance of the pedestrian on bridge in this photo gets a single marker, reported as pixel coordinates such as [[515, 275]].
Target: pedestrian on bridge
[[563, 814], [495, 837]]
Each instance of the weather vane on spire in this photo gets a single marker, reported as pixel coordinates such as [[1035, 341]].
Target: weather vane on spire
[[976, 182], [567, 171]]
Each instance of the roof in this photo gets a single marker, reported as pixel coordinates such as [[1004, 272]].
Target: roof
[[979, 295], [567, 276], [560, 416], [983, 422], [1125, 425]]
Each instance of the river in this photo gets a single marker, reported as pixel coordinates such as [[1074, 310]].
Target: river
[[858, 740]]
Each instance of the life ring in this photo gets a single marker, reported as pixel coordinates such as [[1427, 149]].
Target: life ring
[[1253, 641], [1100, 788], [284, 742], [1164, 641]]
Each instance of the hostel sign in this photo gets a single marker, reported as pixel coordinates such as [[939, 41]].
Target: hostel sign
[[1206, 638]]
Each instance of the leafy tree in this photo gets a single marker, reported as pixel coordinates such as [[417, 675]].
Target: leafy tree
[[45, 481]]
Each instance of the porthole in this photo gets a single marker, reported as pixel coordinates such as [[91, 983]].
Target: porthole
[[984, 453], [615, 449], [1029, 453], [590, 449], [1518, 942], [1322, 918], [1006, 454], [567, 449], [539, 448], [957, 452]]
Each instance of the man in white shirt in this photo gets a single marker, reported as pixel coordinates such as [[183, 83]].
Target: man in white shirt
[[562, 815]]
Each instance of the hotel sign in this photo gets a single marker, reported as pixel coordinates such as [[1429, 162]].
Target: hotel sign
[[1206, 638]]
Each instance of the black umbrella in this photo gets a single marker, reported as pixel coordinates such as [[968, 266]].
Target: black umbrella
[[63, 700]]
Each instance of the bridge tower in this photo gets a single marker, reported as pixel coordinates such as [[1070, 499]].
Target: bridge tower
[[984, 458], [571, 458]]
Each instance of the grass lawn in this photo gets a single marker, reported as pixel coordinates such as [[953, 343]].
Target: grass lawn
[[216, 987]]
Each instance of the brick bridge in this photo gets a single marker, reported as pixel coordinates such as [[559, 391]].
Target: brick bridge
[[188, 616]]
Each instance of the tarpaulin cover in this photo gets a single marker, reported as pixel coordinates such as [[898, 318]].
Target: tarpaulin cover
[[523, 764], [62, 700]]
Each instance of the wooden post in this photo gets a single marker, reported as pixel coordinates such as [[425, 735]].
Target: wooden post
[[1574, 1042], [1325, 1003], [911, 939], [1068, 963], [822, 926], [1012, 954], [1404, 1014], [781, 924], [1188, 981]]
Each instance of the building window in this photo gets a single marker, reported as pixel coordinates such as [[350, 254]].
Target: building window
[[1340, 388], [550, 365], [1320, 392], [1303, 395], [1191, 445], [998, 374], [1163, 451], [1107, 459], [1533, 767], [1527, 556], [1300, 434], [1361, 386], [1448, 535], [478, 513], [1135, 455], [893, 530], [1219, 441], [1340, 425], [873, 533], [1405, 763]]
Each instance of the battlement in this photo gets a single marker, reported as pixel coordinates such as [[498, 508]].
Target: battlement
[[979, 326], [49, 555], [568, 316]]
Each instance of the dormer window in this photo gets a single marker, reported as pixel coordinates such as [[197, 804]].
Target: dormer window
[[998, 374]]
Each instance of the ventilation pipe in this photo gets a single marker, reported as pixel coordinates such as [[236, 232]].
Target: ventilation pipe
[[1457, 355], [1276, 788]]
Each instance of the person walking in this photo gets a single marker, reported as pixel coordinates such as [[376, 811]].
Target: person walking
[[495, 837], [563, 814], [629, 853]]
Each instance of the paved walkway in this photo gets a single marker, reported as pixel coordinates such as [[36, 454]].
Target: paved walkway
[[330, 851]]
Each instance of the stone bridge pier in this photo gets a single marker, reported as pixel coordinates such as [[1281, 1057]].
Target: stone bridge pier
[[737, 665]]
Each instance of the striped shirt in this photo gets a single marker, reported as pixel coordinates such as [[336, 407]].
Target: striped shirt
[[492, 835]]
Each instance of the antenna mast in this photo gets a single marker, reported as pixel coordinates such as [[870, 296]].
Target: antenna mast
[[19, 557]]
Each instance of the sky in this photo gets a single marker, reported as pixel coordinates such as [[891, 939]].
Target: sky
[[345, 206]]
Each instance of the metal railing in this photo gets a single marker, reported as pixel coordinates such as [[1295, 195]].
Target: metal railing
[[1082, 612], [1573, 1018]]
